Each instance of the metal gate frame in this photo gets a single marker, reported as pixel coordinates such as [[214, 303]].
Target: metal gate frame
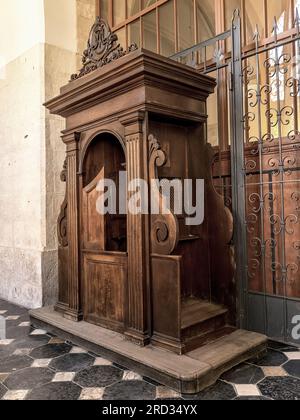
[[255, 315]]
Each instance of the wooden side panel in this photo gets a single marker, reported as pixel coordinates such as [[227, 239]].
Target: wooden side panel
[[166, 296], [104, 289]]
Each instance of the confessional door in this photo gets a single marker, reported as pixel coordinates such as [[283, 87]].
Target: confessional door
[[103, 236]]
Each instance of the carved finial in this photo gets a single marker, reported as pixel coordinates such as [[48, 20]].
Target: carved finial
[[236, 14], [256, 35], [102, 48]]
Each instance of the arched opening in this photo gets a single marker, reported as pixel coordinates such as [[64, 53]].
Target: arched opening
[[104, 159]]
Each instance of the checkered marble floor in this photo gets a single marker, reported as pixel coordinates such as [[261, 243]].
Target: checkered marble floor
[[37, 366]]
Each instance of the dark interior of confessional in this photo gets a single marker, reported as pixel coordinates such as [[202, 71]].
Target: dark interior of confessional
[[104, 159]]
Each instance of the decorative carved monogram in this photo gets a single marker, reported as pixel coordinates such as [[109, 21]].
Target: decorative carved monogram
[[102, 48]]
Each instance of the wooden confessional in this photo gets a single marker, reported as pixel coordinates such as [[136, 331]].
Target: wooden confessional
[[150, 277]]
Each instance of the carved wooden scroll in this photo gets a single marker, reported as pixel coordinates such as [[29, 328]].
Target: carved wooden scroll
[[102, 48], [164, 226], [62, 229]]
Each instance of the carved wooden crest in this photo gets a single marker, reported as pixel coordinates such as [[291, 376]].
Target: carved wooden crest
[[102, 48]]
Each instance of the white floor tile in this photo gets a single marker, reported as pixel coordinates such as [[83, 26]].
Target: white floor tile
[[293, 355], [38, 332], [22, 352], [131, 376], [15, 395], [102, 362], [64, 377], [6, 342], [92, 394], [247, 390], [78, 350], [24, 324], [274, 371], [163, 392], [41, 363]]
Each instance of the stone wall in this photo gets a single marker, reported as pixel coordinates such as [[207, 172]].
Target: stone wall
[[43, 52]]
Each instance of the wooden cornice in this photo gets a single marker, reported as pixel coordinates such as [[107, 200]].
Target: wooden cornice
[[139, 68]]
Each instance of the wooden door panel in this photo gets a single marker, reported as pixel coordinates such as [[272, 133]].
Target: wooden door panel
[[104, 288]]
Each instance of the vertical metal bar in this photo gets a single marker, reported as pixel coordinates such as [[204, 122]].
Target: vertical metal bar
[[141, 32], [261, 177], [176, 26], [244, 20], [266, 14], [157, 31], [111, 13], [281, 183], [297, 64], [195, 21], [238, 170]]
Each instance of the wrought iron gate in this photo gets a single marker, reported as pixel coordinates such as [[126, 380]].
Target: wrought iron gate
[[259, 171]]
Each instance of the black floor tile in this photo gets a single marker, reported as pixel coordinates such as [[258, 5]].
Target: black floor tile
[[285, 348], [11, 308], [15, 332], [55, 391], [293, 368], [50, 351], [30, 342], [98, 376], [272, 358], [22, 343], [72, 362], [220, 391], [284, 388], [12, 363], [28, 378], [244, 374], [3, 391], [16, 322], [130, 390], [5, 351]]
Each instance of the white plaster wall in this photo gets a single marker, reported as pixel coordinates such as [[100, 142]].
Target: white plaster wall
[[22, 25], [66, 37], [21, 133], [38, 54]]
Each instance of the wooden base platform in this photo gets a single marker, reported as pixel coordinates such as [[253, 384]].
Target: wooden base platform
[[186, 374]]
